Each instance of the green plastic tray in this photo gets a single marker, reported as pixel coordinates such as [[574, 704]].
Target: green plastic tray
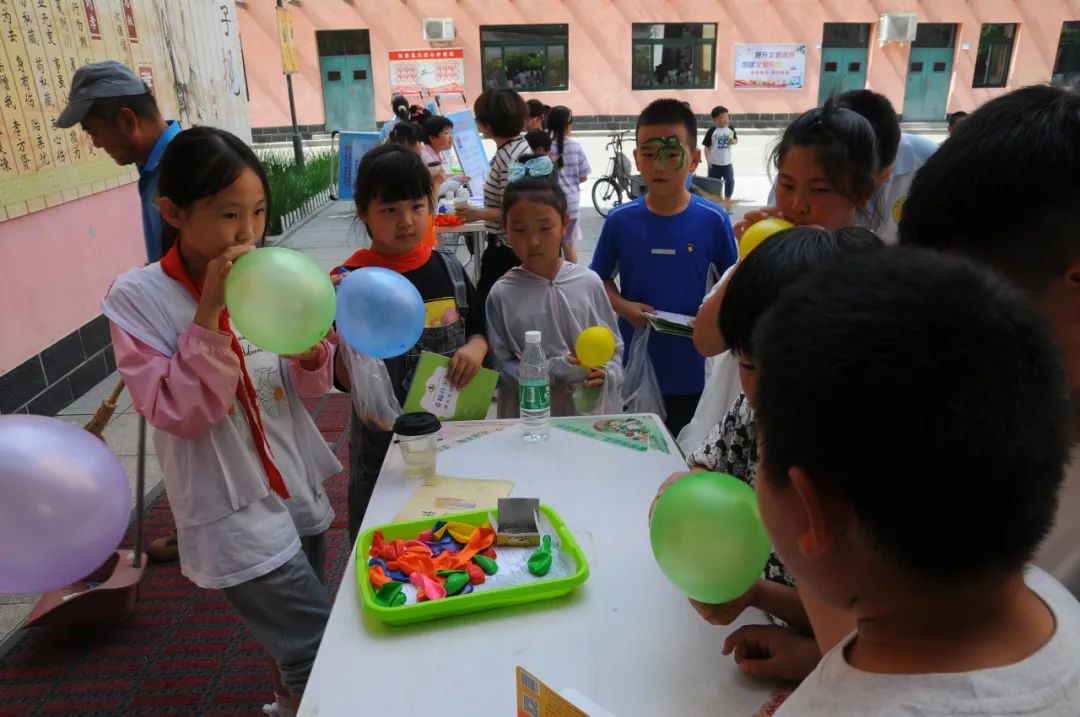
[[478, 600]]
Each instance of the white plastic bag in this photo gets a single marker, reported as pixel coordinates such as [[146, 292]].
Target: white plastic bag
[[641, 390], [372, 392], [722, 387]]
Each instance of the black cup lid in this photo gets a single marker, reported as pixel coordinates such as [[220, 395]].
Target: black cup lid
[[416, 424]]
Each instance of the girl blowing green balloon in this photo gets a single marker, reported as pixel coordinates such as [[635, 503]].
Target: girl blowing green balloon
[[242, 459]]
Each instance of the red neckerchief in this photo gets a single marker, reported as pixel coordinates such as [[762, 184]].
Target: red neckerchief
[[173, 266], [410, 260]]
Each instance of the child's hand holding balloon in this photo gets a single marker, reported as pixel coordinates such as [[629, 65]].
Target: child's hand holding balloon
[[311, 359], [212, 300], [594, 378], [726, 613], [668, 482], [753, 217]]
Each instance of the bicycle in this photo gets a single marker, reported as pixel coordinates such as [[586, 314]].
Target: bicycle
[[608, 190]]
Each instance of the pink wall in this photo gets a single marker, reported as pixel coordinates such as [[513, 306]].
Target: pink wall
[[600, 46], [57, 265]]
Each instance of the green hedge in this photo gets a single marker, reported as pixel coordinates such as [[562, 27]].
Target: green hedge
[[291, 186]]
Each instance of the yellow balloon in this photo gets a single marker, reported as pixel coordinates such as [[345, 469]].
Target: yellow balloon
[[595, 346], [757, 233]]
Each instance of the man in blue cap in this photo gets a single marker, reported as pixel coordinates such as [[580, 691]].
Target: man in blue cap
[[116, 109]]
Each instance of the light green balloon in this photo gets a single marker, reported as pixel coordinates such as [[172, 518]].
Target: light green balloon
[[280, 300], [708, 538]]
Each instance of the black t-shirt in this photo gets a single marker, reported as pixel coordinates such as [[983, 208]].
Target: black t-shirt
[[433, 281]]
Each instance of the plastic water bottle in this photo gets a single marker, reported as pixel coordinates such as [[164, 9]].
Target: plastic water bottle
[[535, 390]]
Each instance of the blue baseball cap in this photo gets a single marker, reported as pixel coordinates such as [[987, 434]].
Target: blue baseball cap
[[98, 81]]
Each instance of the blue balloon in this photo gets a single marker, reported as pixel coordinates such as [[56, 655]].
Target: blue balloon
[[379, 312]]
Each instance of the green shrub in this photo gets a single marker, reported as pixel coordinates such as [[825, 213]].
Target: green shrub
[[291, 186]]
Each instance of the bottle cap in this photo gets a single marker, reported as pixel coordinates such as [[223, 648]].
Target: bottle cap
[[532, 337]]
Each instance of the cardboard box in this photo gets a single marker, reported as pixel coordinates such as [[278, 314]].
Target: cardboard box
[[518, 523]]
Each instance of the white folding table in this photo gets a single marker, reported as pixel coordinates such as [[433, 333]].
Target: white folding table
[[626, 638]]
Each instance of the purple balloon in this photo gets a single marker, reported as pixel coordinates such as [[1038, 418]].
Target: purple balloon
[[64, 503]]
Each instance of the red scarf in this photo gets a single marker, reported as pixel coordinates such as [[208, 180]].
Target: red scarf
[[410, 260], [173, 266]]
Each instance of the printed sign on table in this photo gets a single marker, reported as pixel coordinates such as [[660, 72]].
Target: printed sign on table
[[638, 433], [470, 150], [770, 67], [352, 147]]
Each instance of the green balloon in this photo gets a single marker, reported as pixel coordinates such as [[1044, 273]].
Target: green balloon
[[708, 538], [280, 300]]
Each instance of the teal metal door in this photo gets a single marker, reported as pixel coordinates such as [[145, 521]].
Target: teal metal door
[[842, 69], [927, 93], [348, 95]]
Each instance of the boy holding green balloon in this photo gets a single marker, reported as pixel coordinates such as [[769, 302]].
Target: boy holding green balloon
[[732, 447], [908, 484]]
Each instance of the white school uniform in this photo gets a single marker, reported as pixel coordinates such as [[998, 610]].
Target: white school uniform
[[231, 527]]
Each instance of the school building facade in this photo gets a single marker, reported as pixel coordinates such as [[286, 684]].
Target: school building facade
[[766, 60]]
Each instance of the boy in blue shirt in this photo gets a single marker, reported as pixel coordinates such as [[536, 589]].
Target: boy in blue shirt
[[662, 246]]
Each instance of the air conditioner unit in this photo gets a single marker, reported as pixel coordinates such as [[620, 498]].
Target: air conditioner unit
[[438, 29], [897, 27]]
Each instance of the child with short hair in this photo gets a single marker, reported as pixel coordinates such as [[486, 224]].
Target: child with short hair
[[500, 116], [539, 141], [954, 120], [437, 133], [718, 142], [573, 169], [902, 478], [556, 297], [900, 155], [393, 199], [732, 447], [407, 133], [537, 111], [1031, 135], [664, 247]]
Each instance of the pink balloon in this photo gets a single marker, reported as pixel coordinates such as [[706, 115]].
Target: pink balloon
[[432, 590], [64, 503]]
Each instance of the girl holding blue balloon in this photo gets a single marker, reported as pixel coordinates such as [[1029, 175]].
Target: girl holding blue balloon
[[379, 314], [242, 459]]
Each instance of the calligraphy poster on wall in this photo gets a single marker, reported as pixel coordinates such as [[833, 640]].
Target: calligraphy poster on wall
[[770, 67], [187, 53], [440, 71]]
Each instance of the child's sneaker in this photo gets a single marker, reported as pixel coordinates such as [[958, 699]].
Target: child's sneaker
[[276, 709]]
